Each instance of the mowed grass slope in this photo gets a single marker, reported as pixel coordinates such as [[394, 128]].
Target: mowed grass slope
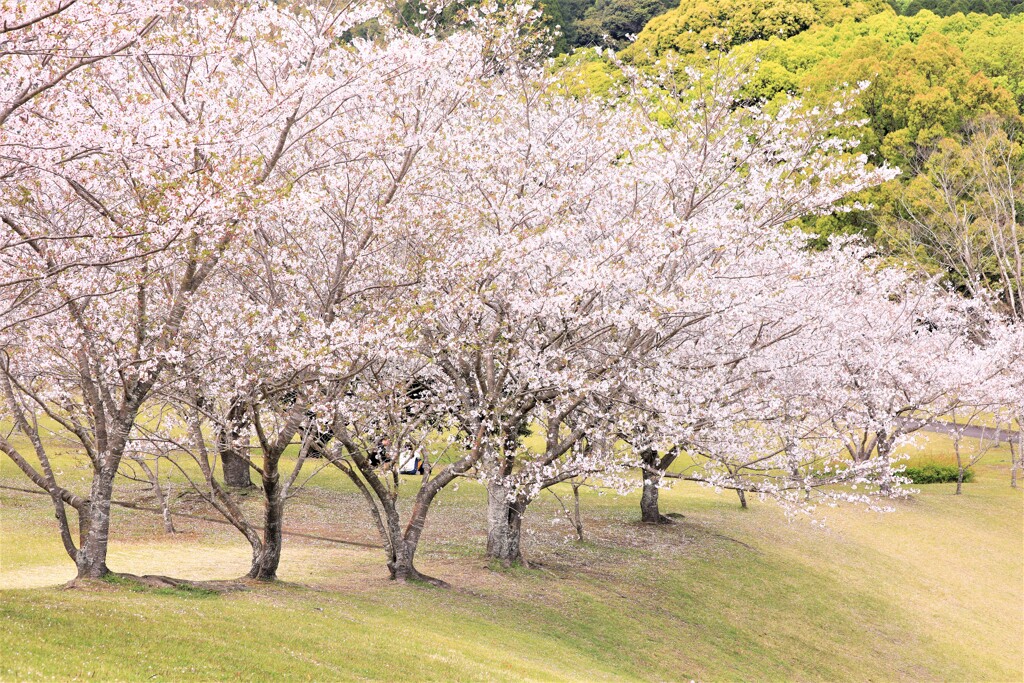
[[931, 591]]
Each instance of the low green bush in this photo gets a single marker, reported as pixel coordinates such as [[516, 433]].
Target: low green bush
[[935, 474]]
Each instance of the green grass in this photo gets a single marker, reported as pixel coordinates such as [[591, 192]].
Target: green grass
[[931, 591]]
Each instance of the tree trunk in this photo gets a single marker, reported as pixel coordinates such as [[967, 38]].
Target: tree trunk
[[165, 507], [650, 513], [885, 444], [959, 463], [404, 569], [504, 538], [1015, 461], [497, 517], [405, 544], [399, 547], [233, 463], [236, 469], [577, 520], [400, 554], [162, 497], [504, 525], [266, 560], [401, 564], [743, 498], [91, 559]]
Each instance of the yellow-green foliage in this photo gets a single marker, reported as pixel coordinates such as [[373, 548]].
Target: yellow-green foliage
[[587, 72], [945, 8], [930, 78], [725, 23], [928, 75]]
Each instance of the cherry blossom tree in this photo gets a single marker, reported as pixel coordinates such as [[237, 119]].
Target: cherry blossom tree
[[711, 160], [323, 298], [559, 336], [538, 204], [741, 404], [902, 361], [163, 163]]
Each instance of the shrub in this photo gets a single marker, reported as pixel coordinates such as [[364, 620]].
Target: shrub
[[935, 474]]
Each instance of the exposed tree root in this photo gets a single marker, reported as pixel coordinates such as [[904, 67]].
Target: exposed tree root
[[418, 577], [662, 519], [157, 581]]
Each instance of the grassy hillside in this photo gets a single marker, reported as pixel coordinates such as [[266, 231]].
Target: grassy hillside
[[930, 591]]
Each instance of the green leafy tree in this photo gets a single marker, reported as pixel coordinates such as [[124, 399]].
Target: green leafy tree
[[614, 22], [929, 79]]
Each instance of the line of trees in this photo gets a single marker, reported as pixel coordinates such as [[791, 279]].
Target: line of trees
[[239, 236]]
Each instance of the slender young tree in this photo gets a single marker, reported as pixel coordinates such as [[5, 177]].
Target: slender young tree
[[961, 213]]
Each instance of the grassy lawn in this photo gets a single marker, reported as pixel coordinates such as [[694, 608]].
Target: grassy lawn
[[931, 591]]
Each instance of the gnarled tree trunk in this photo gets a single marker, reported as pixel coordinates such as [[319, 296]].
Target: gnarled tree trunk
[[649, 510], [236, 469], [504, 525], [651, 471], [405, 544]]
